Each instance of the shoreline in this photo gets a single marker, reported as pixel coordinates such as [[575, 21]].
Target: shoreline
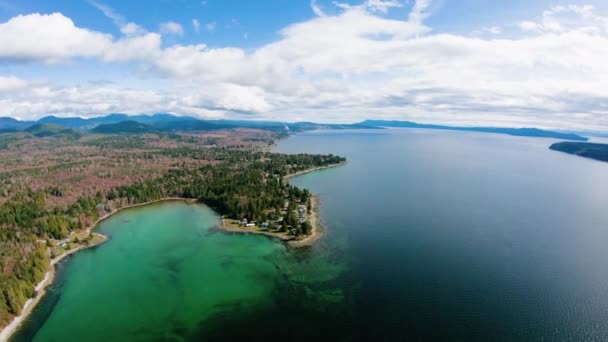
[[9, 330], [317, 230], [299, 173], [316, 233]]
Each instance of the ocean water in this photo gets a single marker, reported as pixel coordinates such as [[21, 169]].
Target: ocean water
[[429, 235]]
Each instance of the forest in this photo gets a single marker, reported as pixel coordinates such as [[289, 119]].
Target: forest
[[240, 184]]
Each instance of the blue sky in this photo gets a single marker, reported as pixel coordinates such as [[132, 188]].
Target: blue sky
[[506, 63]]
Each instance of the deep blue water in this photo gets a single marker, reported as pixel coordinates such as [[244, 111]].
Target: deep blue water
[[464, 236]]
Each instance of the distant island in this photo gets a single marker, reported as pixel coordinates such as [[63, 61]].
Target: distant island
[[520, 132], [587, 150]]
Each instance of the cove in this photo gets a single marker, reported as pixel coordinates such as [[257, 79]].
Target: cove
[[163, 272]]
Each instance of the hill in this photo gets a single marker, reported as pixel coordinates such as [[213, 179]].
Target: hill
[[52, 130], [84, 124], [587, 150], [521, 132], [129, 127], [190, 125], [14, 124]]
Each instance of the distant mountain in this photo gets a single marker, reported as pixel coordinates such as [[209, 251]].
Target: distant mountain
[[173, 123], [74, 122], [10, 123], [130, 127], [587, 150], [52, 130], [190, 125], [159, 118], [90, 123], [521, 132]]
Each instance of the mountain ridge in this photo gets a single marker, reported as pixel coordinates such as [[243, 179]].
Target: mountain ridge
[[174, 123]]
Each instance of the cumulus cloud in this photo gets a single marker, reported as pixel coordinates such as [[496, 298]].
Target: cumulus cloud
[[559, 19], [54, 38], [9, 83], [172, 27], [346, 67], [39, 100]]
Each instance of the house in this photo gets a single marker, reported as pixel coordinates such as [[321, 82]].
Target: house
[[249, 225], [264, 225]]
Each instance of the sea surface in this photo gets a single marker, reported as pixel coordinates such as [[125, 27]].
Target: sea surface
[[429, 235]]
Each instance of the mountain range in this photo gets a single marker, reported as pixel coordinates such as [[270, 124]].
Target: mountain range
[[133, 124]]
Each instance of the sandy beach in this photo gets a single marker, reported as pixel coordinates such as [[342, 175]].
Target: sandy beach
[[31, 303]]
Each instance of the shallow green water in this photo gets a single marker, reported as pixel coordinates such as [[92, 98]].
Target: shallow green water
[[164, 273]]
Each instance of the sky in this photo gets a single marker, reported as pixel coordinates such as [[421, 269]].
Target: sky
[[518, 63]]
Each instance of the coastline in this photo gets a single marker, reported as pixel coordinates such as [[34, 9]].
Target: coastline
[[40, 289], [316, 233], [317, 230], [299, 173]]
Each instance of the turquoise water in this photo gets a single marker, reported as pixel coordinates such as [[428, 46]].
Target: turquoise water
[[430, 235]]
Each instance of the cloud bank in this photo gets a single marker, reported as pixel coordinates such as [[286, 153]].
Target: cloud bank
[[357, 63]]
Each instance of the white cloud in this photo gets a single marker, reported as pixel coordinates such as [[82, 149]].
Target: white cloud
[[196, 25], [345, 67], [10, 83], [171, 27], [495, 30], [567, 18], [48, 37], [132, 29], [39, 100], [316, 8], [419, 13], [342, 5], [54, 38], [382, 5], [127, 28]]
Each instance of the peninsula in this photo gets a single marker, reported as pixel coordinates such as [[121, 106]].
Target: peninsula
[[57, 183], [587, 150]]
